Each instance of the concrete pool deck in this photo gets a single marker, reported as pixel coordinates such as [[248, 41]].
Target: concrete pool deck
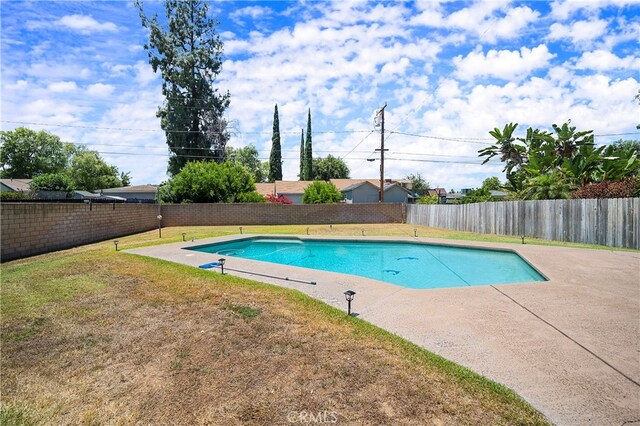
[[569, 346]]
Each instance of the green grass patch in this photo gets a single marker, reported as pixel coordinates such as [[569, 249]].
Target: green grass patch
[[155, 331], [244, 311]]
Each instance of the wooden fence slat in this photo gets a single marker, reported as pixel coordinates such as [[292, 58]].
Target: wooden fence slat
[[610, 222]]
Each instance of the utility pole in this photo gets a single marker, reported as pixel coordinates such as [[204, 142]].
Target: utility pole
[[382, 150]]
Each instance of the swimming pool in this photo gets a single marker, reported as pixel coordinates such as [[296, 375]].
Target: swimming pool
[[413, 265]]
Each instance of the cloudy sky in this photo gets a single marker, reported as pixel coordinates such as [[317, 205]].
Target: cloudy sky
[[449, 72]]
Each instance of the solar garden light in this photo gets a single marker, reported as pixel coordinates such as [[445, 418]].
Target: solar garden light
[[522, 236], [184, 236], [415, 232], [349, 294], [115, 242], [307, 230], [222, 260], [159, 217], [362, 232], [241, 230]]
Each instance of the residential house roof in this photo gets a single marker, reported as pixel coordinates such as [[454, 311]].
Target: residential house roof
[[265, 188], [498, 194], [17, 185], [341, 184], [358, 185], [134, 188], [437, 191], [291, 186]]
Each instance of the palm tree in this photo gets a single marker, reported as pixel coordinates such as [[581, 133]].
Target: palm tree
[[549, 186]]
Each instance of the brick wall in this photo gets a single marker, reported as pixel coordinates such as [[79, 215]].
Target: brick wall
[[279, 214], [33, 228]]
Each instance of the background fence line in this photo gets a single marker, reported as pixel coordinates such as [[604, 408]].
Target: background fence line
[[613, 222]]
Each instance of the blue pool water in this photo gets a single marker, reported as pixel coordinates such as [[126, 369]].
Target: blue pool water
[[411, 265]]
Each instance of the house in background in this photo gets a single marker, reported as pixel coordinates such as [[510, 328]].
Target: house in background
[[361, 192], [15, 185], [292, 189], [265, 188], [132, 193], [354, 190]]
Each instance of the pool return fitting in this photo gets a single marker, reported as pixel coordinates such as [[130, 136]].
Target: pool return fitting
[[220, 263]]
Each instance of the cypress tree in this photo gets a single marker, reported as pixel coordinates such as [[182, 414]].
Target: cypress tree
[[275, 159], [301, 175], [308, 153]]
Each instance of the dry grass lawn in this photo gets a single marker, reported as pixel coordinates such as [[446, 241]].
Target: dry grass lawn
[[91, 336]]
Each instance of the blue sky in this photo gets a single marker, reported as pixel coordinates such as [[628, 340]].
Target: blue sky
[[448, 71]]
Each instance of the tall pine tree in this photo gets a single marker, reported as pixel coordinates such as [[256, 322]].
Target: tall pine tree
[[301, 175], [188, 54], [308, 152], [275, 159]]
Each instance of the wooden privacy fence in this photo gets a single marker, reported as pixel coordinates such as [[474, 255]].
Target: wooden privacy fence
[[611, 222]]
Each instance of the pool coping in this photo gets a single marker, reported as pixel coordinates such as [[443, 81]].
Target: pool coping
[[566, 345]]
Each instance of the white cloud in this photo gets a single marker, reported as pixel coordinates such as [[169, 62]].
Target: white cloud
[[603, 60], [86, 24], [144, 73], [563, 9], [252, 12], [63, 86], [490, 21], [100, 89], [579, 32], [504, 64]]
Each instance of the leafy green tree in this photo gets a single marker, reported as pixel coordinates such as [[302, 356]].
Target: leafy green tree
[[491, 184], [330, 168], [478, 195], [188, 54], [418, 184], [210, 182], [52, 182], [248, 157], [429, 199], [89, 172], [275, 159], [308, 152], [550, 186], [301, 175], [26, 153], [319, 192], [570, 156], [626, 147]]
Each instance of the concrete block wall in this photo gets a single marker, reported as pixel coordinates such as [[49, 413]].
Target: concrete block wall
[[279, 214], [28, 229]]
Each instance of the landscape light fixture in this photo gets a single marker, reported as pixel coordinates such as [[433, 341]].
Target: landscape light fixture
[[159, 217], [241, 230], [349, 294], [116, 244], [415, 232], [184, 236], [307, 230], [362, 232], [193, 238], [222, 260], [522, 236]]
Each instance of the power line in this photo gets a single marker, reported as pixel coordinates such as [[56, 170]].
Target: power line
[[170, 131], [150, 154]]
